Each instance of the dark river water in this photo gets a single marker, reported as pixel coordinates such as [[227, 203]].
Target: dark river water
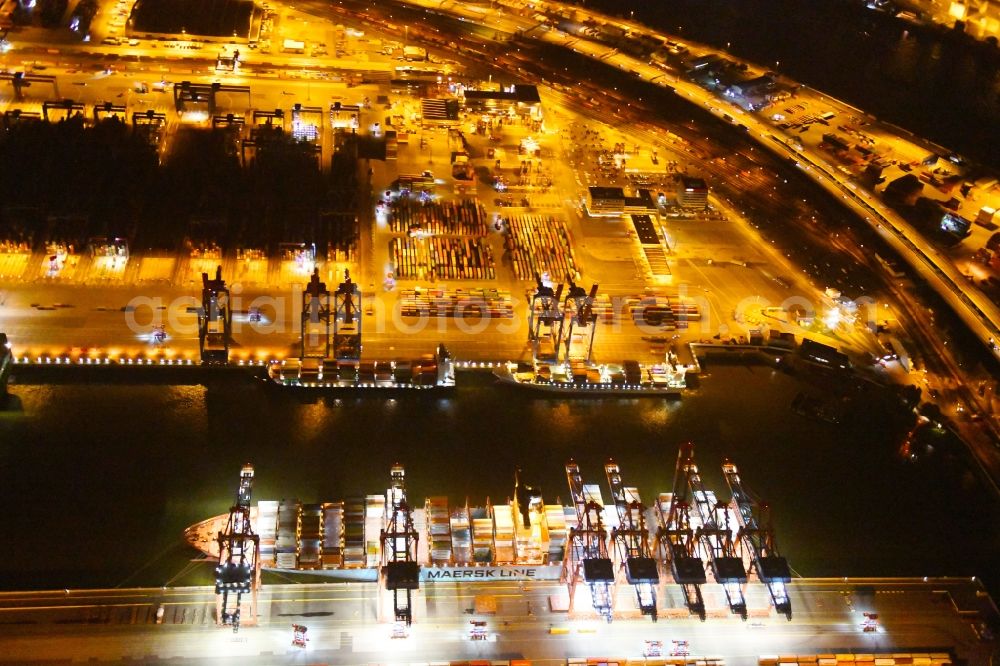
[[941, 87], [98, 482]]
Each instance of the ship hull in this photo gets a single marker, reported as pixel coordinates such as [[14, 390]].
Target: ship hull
[[588, 390], [348, 389]]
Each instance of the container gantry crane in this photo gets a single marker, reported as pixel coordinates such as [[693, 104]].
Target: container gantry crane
[[586, 556], [757, 535], [676, 539], [631, 539], [580, 308], [215, 320], [316, 318], [545, 323], [399, 573], [716, 538], [528, 511], [238, 572], [347, 320]]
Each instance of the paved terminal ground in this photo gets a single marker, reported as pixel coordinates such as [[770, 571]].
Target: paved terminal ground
[[69, 301], [918, 618]]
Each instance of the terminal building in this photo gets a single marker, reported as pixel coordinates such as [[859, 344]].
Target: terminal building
[[753, 93], [522, 99], [817, 352], [614, 202], [692, 193], [223, 21]]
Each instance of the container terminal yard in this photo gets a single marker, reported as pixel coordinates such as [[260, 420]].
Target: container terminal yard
[[496, 213]]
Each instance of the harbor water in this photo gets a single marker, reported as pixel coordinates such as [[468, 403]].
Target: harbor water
[[98, 481]]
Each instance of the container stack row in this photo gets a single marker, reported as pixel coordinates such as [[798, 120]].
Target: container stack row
[[267, 530], [459, 303], [503, 536], [333, 533], [438, 530], [354, 533], [287, 539], [311, 536], [438, 218], [530, 541], [540, 244], [374, 522], [482, 535], [555, 519], [461, 535], [442, 258], [420, 527], [670, 313]]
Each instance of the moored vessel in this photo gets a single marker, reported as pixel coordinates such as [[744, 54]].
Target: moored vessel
[[582, 379], [431, 372]]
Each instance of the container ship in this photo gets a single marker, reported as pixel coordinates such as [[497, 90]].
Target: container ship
[[561, 333], [341, 540], [685, 534], [330, 357]]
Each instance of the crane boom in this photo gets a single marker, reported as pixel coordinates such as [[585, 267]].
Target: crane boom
[[587, 553], [238, 571], [631, 539], [757, 536], [579, 307], [215, 319], [676, 539], [545, 323], [716, 539]]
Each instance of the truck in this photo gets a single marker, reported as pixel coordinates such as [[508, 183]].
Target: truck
[[461, 167], [293, 46], [411, 53]]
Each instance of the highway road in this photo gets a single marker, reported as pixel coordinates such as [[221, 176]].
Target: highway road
[[342, 619], [975, 309]]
